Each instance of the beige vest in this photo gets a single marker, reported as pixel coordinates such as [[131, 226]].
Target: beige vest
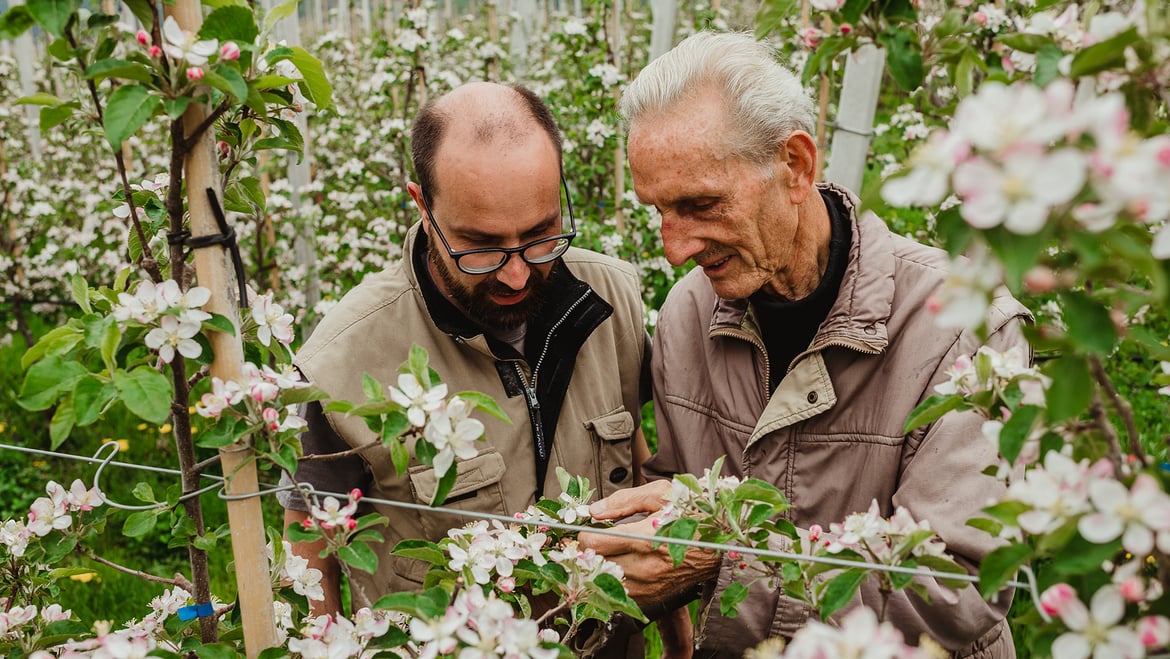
[[371, 331]]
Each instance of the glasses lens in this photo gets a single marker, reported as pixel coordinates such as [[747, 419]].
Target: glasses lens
[[547, 250], [481, 262]]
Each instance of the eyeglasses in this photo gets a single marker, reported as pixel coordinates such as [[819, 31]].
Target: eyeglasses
[[489, 259]]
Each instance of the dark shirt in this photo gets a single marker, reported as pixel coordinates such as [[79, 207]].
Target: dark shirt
[[788, 327]]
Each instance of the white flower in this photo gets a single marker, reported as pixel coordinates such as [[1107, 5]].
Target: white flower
[[1020, 191], [174, 334], [964, 297], [574, 26], [827, 5], [453, 434], [927, 184], [271, 321], [305, 580], [418, 401], [1094, 631], [332, 513], [181, 45], [1132, 514]]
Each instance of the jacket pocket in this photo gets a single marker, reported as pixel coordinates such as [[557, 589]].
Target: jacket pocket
[[612, 433], [477, 488]]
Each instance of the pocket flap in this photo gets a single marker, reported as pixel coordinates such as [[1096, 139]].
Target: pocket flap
[[472, 474], [613, 426]]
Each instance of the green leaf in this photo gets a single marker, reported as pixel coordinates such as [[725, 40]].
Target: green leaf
[[286, 8], [141, 522], [79, 289], [142, 10], [129, 107], [227, 80], [1080, 556], [144, 493], [395, 424], [175, 107], [852, 10], [111, 340], [302, 395], [732, 596], [1047, 64], [754, 489], [417, 365], [615, 594], [217, 651], [485, 403], [1108, 54], [222, 432], [46, 380], [315, 85], [422, 550], [286, 458], [62, 423], [1018, 253], [55, 343], [116, 68], [1089, 323], [220, 323], [988, 526], [15, 22], [235, 23], [55, 116], [443, 488], [40, 98], [1016, 431], [840, 590], [429, 604], [371, 387], [932, 409], [1071, 390], [359, 555], [53, 15], [399, 456], [945, 565], [145, 392], [681, 529], [1026, 43], [903, 57], [1001, 565], [773, 14], [90, 397]]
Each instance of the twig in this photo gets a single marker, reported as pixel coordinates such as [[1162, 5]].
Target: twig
[[342, 454], [1123, 408], [547, 614], [179, 580], [189, 141], [1101, 420], [198, 467], [201, 374]]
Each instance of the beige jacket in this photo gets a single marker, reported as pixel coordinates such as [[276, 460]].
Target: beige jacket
[[371, 331], [831, 435]]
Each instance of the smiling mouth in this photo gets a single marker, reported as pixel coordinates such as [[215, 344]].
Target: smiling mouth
[[507, 299], [715, 266]]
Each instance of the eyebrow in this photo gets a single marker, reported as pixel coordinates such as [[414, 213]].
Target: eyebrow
[[536, 231]]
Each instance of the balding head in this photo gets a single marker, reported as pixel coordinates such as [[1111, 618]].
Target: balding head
[[477, 114]]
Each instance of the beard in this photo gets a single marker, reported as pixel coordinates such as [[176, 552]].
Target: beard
[[475, 299]]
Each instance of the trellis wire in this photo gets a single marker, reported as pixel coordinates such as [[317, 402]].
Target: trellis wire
[[1029, 585]]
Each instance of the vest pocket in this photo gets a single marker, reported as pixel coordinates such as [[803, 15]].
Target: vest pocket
[[477, 488], [612, 433]]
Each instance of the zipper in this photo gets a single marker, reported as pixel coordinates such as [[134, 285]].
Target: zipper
[[859, 346], [744, 335], [530, 387]]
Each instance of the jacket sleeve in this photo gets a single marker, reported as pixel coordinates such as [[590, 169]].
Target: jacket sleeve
[[942, 481]]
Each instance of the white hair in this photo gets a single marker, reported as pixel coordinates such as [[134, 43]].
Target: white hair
[[765, 101]]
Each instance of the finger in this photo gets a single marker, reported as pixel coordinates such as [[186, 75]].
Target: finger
[[610, 545], [646, 498]]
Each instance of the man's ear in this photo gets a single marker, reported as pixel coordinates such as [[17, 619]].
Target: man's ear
[[799, 157], [415, 191]]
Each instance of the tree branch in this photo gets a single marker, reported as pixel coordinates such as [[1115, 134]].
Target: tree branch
[[178, 580], [1101, 420], [1123, 408]]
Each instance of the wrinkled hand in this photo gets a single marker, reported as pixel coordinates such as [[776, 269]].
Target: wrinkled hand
[[650, 574]]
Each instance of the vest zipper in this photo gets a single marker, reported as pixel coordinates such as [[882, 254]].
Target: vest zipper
[[859, 346], [530, 387]]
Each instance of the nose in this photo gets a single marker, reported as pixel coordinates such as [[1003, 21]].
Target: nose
[[514, 273], [678, 242]]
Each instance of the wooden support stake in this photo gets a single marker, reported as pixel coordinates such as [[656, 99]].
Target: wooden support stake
[[823, 113], [855, 113], [215, 272]]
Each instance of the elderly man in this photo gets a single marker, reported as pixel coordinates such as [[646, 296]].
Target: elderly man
[[489, 286], [797, 348]]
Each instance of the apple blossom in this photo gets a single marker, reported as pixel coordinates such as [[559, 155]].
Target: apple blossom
[[418, 402], [194, 73], [229, 52], [453, 434], [174, 334], [271, 321], [1097, 630], [142, 37], [1135, 514], [182, 45]]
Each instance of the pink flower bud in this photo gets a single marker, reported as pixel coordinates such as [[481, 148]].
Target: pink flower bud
[[355, 494], [229, 51], [811, 37], [351, 524], [143, 37], [271, 417], [307, 523], [154, 51], [1133, 589], [1057, 598], [845, 28], [298, 107], [195, 73], [1154, 631], [656, 522], [734, 555], [506, 584], [814, 532], [224, 149], [980, 18], [1040, 279]]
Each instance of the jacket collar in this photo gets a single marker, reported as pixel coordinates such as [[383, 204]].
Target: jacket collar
[[858, 318]]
